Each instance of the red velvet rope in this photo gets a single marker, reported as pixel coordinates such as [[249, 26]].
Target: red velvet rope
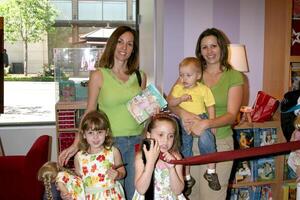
[[237, 154]]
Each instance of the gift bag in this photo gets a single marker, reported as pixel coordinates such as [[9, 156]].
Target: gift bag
[[264, 107]]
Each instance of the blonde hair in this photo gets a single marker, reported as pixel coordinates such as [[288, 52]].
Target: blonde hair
[[192, 61], [48, 173], [95, 120]]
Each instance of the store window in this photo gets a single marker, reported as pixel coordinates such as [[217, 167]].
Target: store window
[[90, 10], [34, 103], [114, 10], [65, 9]]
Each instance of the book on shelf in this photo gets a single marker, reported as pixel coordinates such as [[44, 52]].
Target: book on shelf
[[263, 192], [289, 191], [295, 79], [146, 103], [244, 171], [244, 138], [264, 136], [288, 172], [264, 169]]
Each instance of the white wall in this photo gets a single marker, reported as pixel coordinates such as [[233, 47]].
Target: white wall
[[18, 140], [241, 20], [182, 22]]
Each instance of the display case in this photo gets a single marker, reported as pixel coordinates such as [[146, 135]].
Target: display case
[[72, 67]]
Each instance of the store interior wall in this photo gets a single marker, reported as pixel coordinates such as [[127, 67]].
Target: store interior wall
[[166, 39]]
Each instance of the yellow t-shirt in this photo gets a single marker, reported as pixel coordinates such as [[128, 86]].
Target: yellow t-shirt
[[202, 97]]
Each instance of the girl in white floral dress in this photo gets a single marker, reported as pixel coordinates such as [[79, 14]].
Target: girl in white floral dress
[[98, 164], [155, 178]]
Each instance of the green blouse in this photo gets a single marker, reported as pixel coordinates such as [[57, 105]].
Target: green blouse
[[220, 91], [112, 99]]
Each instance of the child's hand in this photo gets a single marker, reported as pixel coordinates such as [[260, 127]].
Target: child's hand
[[112, 173], [153, 153], [186, 97], [296, 135], [64, 194], [168, 157]]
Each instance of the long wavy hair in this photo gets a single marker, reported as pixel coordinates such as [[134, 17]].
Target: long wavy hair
[[222, 41], [95, 120], [107, 58]]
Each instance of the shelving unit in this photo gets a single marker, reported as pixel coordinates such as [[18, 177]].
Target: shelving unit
[[278, 181], [68, 115], [277, 47]]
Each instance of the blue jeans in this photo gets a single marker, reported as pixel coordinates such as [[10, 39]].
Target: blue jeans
[[126, 145], [206, 142]]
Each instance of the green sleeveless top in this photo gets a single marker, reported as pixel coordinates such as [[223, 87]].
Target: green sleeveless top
[[112, 99], [220, 91]]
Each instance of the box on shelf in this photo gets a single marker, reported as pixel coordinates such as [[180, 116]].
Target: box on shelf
[[67, 90]]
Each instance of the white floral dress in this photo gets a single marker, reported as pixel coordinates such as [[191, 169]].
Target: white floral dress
[[162, 188], [94, 182]]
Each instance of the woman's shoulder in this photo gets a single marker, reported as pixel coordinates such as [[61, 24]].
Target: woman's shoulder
[[97, 72], [234, 76], [233, 72]]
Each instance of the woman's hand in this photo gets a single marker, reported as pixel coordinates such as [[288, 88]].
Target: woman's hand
[[198, 126], [66, 154]]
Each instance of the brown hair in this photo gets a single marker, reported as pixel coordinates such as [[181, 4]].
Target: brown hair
[[163, 116], [95, 120], [107, 58], [222, 41]]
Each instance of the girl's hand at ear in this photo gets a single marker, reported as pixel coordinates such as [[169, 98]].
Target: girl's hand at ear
[[153, 153]]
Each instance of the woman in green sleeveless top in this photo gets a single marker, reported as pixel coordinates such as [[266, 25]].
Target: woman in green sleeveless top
[[111, 86], [226, 85]]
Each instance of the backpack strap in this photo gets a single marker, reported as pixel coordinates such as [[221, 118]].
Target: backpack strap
[[139, 77]]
